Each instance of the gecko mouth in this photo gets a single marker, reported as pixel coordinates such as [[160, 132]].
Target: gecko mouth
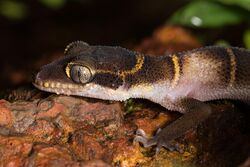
[[57, 87]]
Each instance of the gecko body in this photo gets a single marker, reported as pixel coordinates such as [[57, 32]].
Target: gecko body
[[179, 82]]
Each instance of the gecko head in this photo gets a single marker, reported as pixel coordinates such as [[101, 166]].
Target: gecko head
[[90, 71]]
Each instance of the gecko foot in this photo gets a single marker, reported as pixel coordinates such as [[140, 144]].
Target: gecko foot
[[157, 140]]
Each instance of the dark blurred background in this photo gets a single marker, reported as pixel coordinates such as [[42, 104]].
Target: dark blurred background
[[31, 32], [33, 29]]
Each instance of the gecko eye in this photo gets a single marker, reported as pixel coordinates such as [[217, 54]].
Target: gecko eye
[[80, 74]]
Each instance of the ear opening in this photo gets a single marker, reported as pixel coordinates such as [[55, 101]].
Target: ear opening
[[75, 47]]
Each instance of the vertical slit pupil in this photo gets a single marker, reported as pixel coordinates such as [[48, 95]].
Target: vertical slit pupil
[[79, 72]]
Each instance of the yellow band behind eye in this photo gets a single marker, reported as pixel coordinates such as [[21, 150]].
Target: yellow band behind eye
[[67, 69]]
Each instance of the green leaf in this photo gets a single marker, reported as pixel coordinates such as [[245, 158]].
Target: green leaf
[[13, 10], [222, 42], [242, 3], [53, 4], [246, 38], [206, 14]]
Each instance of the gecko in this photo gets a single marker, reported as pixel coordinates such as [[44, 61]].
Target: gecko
[[181, 82]]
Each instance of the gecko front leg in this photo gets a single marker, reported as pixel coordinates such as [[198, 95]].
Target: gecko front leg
[[195, 112]]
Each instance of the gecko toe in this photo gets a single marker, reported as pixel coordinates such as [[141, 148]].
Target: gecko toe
[[140, 132], [147, 142], [158, 131], [157, 140], [142, 138]]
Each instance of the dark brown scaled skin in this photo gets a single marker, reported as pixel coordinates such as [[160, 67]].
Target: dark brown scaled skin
[[180, 82]]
